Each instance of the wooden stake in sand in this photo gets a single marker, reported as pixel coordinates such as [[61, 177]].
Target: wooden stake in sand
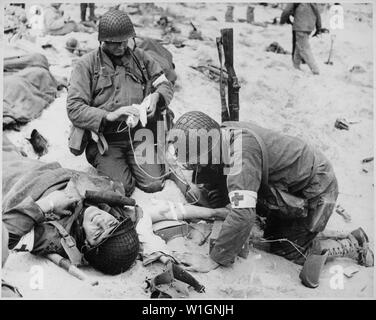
[[229, 15], [250, 14]]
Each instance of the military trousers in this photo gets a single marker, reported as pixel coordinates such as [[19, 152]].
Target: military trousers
[[292, 238], [303, 52], [119, 164]]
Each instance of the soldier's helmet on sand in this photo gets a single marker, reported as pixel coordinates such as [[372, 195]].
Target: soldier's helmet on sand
[[72, 43], [117, 252], [115, 26]]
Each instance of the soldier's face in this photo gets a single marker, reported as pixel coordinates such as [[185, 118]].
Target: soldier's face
[[115, 48], [97, 224]]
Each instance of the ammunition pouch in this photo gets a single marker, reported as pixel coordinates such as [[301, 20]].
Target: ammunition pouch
[[78, 139], [284, 205], [69, 245]]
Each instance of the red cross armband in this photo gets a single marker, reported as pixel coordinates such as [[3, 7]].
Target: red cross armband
[[243, 199]]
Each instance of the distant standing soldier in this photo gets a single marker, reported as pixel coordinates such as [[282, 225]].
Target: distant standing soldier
[[83, 7], [306, 19]]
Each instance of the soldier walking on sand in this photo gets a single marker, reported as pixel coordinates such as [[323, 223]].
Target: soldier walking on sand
[[306, 19]]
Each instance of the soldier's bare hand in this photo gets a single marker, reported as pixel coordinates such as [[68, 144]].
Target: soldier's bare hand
[[58, 202], [215, 198]]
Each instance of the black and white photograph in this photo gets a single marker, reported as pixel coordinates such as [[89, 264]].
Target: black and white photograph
[[187, 150]]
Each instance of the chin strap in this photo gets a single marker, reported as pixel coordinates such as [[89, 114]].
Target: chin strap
[[134, 44]]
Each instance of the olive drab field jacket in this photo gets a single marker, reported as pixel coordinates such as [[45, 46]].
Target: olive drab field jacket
[[97, 87], [293, 166]]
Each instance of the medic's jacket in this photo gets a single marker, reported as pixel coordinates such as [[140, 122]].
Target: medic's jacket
[[294, 167], [97, 87]]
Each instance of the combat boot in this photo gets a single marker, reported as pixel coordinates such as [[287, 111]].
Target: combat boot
[[354, 246], [366, 255]]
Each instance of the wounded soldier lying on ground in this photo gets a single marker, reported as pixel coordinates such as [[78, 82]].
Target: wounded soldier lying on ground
[[274, 178], [45, 211], [43, 208]]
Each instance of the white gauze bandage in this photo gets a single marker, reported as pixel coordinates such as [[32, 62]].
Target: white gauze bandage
[[173, 210]]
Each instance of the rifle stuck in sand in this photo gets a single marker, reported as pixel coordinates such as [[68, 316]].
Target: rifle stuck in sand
[[225, 46]]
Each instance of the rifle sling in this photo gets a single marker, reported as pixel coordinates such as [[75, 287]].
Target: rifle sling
[[221, 88], [67, 241]]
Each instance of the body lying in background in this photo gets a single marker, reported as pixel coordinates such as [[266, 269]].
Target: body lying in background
[[56, 23]]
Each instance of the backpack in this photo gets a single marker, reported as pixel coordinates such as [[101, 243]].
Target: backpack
[[159, 53]]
